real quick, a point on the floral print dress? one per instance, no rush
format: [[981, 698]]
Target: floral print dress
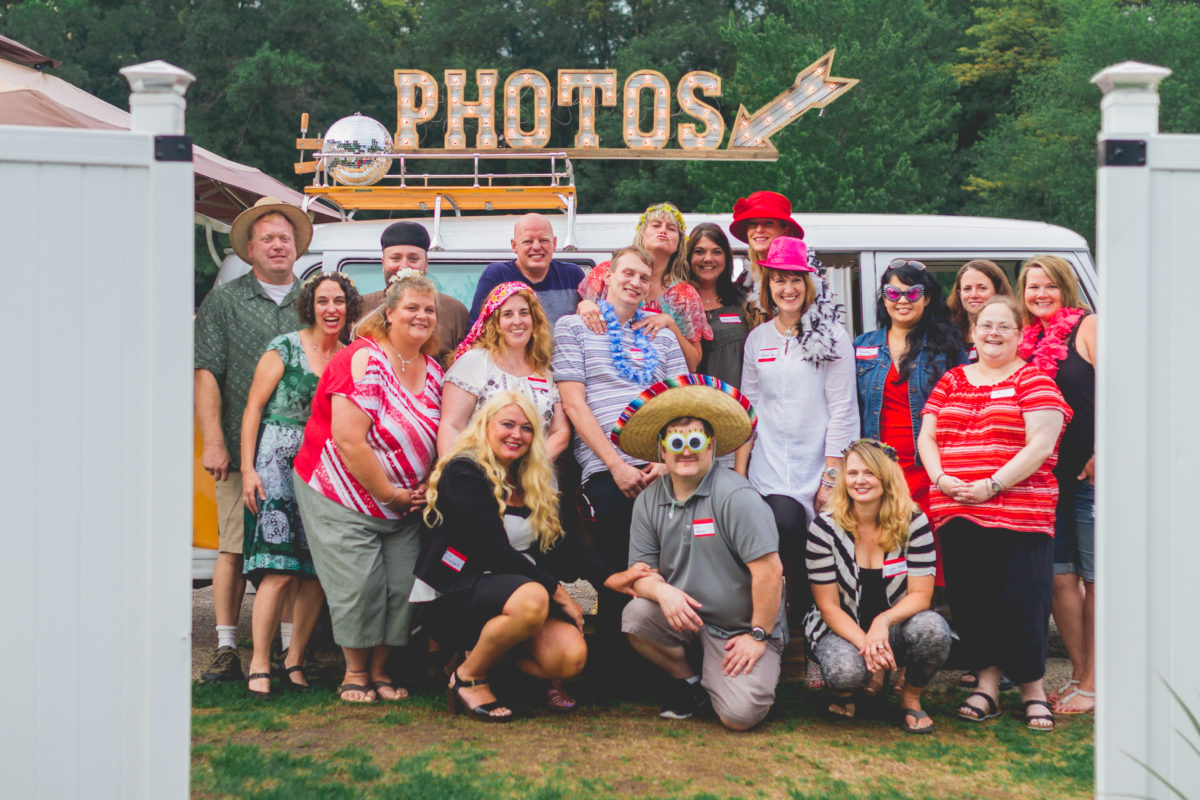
[[275, 540]]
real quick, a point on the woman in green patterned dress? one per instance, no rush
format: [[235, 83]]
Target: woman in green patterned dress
[[275, 552]]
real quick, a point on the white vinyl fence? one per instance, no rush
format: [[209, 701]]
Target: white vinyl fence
[[1148, 396], [96, 244]]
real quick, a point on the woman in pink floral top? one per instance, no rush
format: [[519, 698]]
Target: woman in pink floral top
[[675, 302], [360, 474]]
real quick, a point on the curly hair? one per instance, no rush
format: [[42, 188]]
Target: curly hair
[[1059, 271], [539, 348], [897, 507], [306, 300], [532, 470], [677, 267], [1000, 285], [934, 332], [729, 294], [376, 325]]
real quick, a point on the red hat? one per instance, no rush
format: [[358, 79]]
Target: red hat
[[763, 205]]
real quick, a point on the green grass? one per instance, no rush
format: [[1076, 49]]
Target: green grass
[[312, 746]]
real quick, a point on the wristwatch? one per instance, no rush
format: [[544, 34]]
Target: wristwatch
[[831, 473], [758, 634]]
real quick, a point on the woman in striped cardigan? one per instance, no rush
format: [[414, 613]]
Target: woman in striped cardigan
[[871, 563]]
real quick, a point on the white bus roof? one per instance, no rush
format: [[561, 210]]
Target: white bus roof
[[827, 232]]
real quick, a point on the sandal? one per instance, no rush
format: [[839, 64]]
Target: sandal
[[255, 692], [288, 683], [364, 689], [1065, 689], [557, 698], [841, 708], [1043, 719], [401, 693], [481, 712], [909, 718], [969, 679], [1059, 705], [972, 714], [813, 680]]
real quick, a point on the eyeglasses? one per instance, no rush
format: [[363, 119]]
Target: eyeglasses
[[696, 441], [1004, 329], [897, 263], [912, 294], [887, 449]]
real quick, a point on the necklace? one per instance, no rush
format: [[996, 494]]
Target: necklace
[[404, 362], [621, 361]]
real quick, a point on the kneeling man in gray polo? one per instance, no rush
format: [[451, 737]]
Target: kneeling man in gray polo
[[717, 600]]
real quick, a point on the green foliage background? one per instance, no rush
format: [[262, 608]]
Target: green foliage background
[[964, 107]]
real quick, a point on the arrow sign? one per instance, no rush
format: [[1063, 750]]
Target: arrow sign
[[815, 87]]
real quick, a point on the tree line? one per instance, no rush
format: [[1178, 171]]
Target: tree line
[[979, 107]]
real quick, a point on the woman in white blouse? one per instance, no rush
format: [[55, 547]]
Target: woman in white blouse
[[798, 372], [507, 349]]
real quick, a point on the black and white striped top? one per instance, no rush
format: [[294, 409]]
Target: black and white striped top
[[829, 556]]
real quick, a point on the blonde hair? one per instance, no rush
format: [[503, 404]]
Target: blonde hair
[[532, 470], [375, 324], [897, 506], [539, 348], [677, 267], [767, 303], [1059, 271]]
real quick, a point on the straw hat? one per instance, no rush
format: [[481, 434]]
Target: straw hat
[[239, 232], [702, 396], [763, 205]]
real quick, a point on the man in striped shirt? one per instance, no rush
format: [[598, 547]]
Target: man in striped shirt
[[598, 374]]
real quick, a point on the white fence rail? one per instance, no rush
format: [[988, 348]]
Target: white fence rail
[[95, 486], [1148, 390]]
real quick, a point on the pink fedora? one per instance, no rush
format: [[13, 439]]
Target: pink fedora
[[787, 252]]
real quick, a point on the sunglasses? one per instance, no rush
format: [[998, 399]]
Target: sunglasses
[[887, 449], [696, 441], [912, 294], [897, 263]]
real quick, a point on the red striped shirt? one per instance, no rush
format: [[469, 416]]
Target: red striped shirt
[[979, 428]]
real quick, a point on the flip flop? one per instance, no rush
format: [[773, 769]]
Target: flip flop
[[970, 713], [346, 688], [1062, 690], [402, 693], [841, 709], [914, 715]]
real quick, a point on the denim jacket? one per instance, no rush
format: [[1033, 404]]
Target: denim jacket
[[872, 362]]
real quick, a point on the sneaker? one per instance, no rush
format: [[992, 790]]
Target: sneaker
[[225, 666], [686, 700]]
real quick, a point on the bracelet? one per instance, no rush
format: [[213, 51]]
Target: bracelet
[[392, 499], [889, 618], [827, 484], [938, 481]]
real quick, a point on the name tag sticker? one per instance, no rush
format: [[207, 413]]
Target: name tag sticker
[[454, 559], [866, 353], [731, 319], [704, 527], [637, 353], [538, 384], [768, 354], [972, 355], [1007, 391], [895, 567]]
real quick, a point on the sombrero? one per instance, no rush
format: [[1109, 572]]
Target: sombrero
[[239, 232], [702, 396]]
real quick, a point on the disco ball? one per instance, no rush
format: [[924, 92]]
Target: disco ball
[[352, 141]]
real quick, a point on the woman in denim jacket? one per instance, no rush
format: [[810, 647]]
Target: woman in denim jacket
[[900, 362]]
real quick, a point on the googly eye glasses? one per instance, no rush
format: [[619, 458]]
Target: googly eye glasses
[[912, 294], [696, 441]]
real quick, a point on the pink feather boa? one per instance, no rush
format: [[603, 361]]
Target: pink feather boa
[[1044, 345]]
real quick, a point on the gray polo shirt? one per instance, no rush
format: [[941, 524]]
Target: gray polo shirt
[[702, 546]]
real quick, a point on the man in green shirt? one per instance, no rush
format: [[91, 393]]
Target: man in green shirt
[[233, 326], [717, 597]]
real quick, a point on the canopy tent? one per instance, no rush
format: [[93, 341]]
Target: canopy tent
[[29, 96]]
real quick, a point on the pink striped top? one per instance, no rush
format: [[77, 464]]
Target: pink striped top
[[403, 432], [979, 428]]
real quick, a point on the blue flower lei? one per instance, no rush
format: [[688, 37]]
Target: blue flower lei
[[621, 360]]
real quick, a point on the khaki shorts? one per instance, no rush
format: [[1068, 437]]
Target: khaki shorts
[[231, 512], [740, 701]]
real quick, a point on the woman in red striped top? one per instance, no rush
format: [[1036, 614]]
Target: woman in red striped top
[[989, 440]]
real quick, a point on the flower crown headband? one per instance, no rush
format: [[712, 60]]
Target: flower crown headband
[[670, 209], [887, 449], [407, 272]]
